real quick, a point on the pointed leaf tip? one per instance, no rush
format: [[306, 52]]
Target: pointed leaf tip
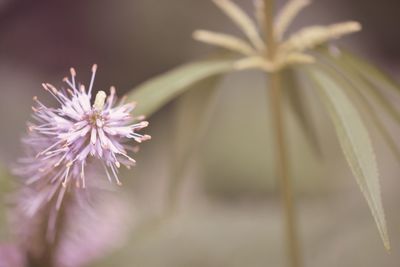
[[355, 142]]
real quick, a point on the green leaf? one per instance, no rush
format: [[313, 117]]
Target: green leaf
[[358, 85], [355, 142], [370, 72], [156, 92], [194, 111], [297, 103], [374, 80]]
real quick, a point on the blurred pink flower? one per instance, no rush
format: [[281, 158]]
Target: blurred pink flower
[[95, 221], [90, 235], [11, 256]]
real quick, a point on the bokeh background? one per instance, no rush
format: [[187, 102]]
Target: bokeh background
[[229, 212]]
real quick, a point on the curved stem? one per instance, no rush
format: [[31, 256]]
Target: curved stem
[[275, 97]]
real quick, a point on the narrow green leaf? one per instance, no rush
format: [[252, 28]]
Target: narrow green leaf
[[374, 80], [355, 142], [357, 85], [156, 92], [380, 127], [194, 112], [370, 72], [297, 103]]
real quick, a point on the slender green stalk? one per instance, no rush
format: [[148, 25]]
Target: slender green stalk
[[275, 97]]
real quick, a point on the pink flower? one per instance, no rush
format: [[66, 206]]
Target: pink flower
[[90, 235], [63, 141], [11, 255]]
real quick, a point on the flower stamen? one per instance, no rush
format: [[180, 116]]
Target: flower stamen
[[100, 100]]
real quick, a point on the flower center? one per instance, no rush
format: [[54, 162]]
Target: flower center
[[96, 118]]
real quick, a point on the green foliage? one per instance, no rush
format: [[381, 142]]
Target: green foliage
[[357, 81], [294, 92], [194, 111], [356, 144], [345, 84], [194, 84], [158, 91]]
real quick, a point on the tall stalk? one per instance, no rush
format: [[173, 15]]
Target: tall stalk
[[275, 97]]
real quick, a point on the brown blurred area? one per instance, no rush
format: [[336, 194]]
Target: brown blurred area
[[230, 211]]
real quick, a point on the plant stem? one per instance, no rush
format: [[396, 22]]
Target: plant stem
[[41, 248], [293, 249], [275, 97]]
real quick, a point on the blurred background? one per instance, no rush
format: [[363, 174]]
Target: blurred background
[[229, 209]]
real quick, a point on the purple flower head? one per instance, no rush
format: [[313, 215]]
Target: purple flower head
[[63, 141]]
